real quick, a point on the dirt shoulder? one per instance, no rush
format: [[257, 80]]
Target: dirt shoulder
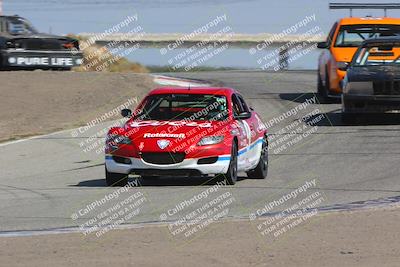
[[362, 238], [35, 103]]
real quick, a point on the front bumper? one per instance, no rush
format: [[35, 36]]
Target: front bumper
[[371, 103], [40, 59], [188, 167]]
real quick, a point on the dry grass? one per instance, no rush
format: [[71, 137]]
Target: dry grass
[[99, 58]]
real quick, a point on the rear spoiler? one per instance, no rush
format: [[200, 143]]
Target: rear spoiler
[[351, 6]]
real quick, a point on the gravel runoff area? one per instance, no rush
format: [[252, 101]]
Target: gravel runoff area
[[39, 102], [362, 238]]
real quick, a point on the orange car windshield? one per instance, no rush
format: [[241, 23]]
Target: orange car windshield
[[354, 35]]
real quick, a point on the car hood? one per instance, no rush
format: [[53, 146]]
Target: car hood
[[170, 136], [373, 73]]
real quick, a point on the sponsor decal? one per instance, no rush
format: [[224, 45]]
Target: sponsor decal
[[164, 135], [171, 123], [247, 130], [44, 61], [141, 146], [162, 143]]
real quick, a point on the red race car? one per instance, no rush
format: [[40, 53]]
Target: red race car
[[188, 132]]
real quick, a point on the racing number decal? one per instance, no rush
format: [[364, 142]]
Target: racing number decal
[[247, 132]]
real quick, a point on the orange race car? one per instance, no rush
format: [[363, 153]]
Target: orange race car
[[344, 38]]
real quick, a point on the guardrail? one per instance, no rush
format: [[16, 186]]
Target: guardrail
[[235, 40]]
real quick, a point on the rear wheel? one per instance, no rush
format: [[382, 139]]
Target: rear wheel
[[320, 87], [231, 175], [261, 170], [323, 91], [116, 179]]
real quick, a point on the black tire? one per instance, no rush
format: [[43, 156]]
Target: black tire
[[231, 174], [116, 179], [323, 91], [261, 170], [320, 88], [59, 69], [349, 118], [1, 61]]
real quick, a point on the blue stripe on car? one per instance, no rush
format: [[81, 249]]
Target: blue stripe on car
[[244, 150]]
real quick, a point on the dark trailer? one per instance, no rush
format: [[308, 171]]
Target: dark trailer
[[23, 47]]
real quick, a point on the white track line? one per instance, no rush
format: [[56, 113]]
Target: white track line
[[241, 218], [35, 137]]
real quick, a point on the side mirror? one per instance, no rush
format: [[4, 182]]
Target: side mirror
[[243, 116], [342, 65], [322, 45], [126, 113]]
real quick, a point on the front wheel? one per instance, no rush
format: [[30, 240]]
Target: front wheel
[[261, 170], [2, 67], [323, 90], [231, 175], [116, 179]]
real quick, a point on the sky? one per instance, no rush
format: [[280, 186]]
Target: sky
[[168, 16]]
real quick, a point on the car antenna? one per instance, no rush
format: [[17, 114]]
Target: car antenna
[[189, 86]]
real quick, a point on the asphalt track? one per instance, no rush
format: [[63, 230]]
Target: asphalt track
[[45, 180]]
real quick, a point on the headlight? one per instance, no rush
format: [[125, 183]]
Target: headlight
[[210, 140], [114, 139]]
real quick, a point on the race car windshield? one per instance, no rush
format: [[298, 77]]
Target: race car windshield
[[190, 107], [354, 35], [378, 55], [20, 26]]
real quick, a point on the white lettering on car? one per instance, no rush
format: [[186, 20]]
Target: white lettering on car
[[164, 135], [171, 123], [45, 61]]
